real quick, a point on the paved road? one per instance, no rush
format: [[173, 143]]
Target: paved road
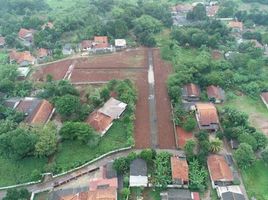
[[152, 101], [91, 167]]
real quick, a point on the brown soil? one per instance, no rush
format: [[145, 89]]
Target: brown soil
[[166, 137]]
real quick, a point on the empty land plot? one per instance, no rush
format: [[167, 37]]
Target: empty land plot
[[57, 70], [166, 137], [133, 58]]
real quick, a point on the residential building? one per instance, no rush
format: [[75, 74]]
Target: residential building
[[215, 94], [179, 194], [120, 43], [23, 59], [219, 171], [26, 36], [49, 25], [264, 97], [191, 92], [36, 111], [232, 192], [179, 13], [179, 171], [67, 49], [100, 122], [236, 26], [257, 44], [212, 10], [2, 42], [207, 116], [138, 173], [86, 45], [100, 42], [42, 54], [102, 119], [23, 72]]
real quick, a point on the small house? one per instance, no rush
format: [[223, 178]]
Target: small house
[[219, 171], [191, 92], [138, 173], [23, 72], [264, 98], [215, 94], [101, 43], [236, 26], [102, 119], [86, 45], [212, 10], [26, 36], [120, 43], [207, 116], [36, 111], [23, 59], [2, 42], [42, 54], [179, 194], [179, 171], [232, 192], [48, 25], [67, 49]]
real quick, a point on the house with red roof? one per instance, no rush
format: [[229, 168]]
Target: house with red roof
[[191, 92], [219, 171], [43, 54], [102, 119], [236, 26], [215, 94], [179, 171], [23, 59], [36, 111], [207, 116], [212, 10], [2, 42], [86, 45], [26, 36], [49, 25]]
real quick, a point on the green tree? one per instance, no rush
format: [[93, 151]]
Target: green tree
[[162, 169], [148, 155], [215, 145], [189, 148], [47, 140], [264, 155], [248, 139], [190, 124], [244, 155], [121, 165], [125, 192], [197, 175], [198, 13], [15, 194]]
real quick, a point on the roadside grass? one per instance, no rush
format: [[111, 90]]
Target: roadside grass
[[21, 171], [41, 196], [72, 154], [255, 179]]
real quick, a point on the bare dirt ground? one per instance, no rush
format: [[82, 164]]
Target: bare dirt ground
[[260, 122], [166, 137]]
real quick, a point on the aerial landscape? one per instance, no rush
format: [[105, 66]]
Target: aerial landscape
[[134, 100]]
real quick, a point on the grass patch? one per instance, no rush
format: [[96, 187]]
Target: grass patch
[[115, 138], [16, 172], [41, 196], [3, 58], [256, 180]]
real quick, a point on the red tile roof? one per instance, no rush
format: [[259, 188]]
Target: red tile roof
[[214, 92], [207, 114], [192, 90], [24, 32], [43, 113], [179, 169], [21, 56], [42, 52], [86, 44], [101, 41], [219, 169], [216, 54], [196, 196], [212, 10], [182, 8], [48, 25], [99, 121], [182, 136], [236, 24]]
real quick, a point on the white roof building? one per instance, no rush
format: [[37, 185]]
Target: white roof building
[[113, 108], [120, 43]]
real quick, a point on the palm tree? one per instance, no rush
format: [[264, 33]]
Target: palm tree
[[215, 145]]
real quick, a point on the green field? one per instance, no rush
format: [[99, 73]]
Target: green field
[[42, 196], [73, 154], [16, 172], [256, 180]]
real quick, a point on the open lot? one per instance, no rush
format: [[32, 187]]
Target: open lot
[[132, 64]]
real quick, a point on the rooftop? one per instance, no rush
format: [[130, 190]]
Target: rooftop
[[113, 108], [42, 52], [138, 167], [25, 32], [99, 121], [215, 92], [219, 169], [179, 169], [192, 89], [236, 24], [207, 114], [21, 56], [101, 42]]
